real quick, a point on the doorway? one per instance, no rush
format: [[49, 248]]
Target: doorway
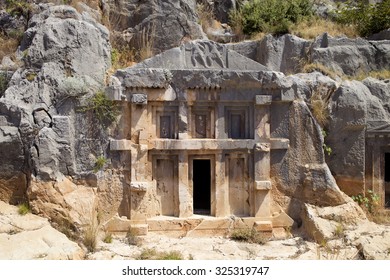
[[387, 180], [201, 182]]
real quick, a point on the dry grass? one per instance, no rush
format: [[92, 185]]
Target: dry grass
[[205, 15], [380, 217], [236, 22], [145, 42], [380, 75], [258, 36], [8, 46], [311, 67], [248, 235], [311, 28], [152, 254], [319, 108]]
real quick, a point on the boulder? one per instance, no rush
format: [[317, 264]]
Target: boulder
[[63, 200], [302, 173], [353, 108], [31, 237], [326, 223], [45, 133], [381, 90], [159, 24], [283, 53], [222, 9]]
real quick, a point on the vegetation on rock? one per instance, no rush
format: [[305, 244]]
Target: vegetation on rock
[[368, 18], [248, 235], [104, 109], [270, 16], [24, 208]]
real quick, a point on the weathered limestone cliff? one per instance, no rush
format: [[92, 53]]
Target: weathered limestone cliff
[[233, 108]]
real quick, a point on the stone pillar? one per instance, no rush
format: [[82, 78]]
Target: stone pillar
[[262, 158], [221, 187], [185, 194], [140, 167], [220, 132], [184, 126]]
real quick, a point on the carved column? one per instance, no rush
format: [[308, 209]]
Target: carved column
[[140, 169], [185, 194], [262, 183], [222, 187]]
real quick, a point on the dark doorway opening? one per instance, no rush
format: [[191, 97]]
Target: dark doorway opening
[[201, 178], [387, 180]]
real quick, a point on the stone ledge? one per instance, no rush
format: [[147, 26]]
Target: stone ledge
[[199, 144]]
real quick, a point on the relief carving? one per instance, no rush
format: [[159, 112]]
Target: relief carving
[[206, 55]]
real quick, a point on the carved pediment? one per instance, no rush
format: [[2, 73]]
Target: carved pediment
[[198, 55]]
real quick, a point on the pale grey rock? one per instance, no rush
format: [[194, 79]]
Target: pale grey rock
[[303, 173], [344, 56], [222, 9], [66, 56], [11, 25], [383, 35], [353, 109], [282, 53], [246, 48], [381, 90], [168, 22]]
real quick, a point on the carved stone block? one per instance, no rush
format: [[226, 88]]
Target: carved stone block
[[139, 98], [263, 99], [263, 147]]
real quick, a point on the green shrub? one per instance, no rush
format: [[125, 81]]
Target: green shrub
[[368, 18], [23, 208], [104, 109], [107, 238], [18, 8], [369, 201], [270, 16], [99, 164]]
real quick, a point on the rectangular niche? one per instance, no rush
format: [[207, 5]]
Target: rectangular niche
[[238, 122], [237, 174], [202, 122], [166, 122], [165, 172]]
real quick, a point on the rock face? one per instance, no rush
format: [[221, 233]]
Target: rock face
[[344, 56], [256, 129], [356, 113], [32, 237], [163, 24], [42, 133]]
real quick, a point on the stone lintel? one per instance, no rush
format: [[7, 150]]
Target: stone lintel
[[201, 144], [139, 186], [263, 185], [263, 99]]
